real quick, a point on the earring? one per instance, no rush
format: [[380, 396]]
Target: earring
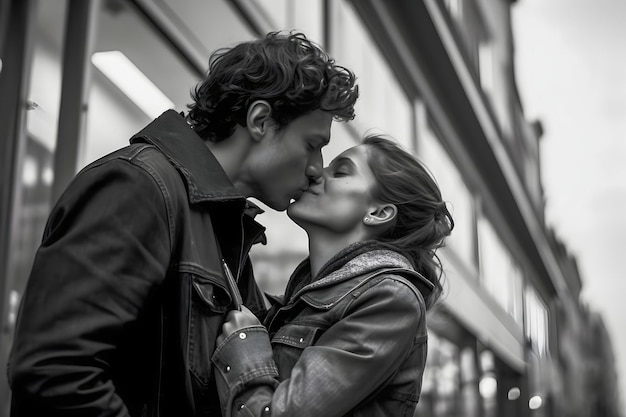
[[367, 219]]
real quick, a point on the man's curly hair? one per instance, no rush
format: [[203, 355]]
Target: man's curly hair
[[287, 70]]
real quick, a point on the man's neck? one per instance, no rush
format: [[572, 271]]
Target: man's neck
[[231, 154]]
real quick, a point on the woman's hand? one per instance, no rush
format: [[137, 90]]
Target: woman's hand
[[235, 321]]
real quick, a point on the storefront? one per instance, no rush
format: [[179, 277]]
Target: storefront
[[79, 77]]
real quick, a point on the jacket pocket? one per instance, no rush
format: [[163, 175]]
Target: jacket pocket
[[208, 305], [212, 297], [289, 342], [297, 335]]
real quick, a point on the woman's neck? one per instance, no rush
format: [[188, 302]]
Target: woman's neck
[[322, 248]]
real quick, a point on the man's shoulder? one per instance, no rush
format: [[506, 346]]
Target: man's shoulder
[[130, 153], [140, 160]]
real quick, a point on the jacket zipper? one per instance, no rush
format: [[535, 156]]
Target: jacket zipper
[[232, 286]]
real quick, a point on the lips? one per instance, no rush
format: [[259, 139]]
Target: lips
[[297, 196], [300, 193]]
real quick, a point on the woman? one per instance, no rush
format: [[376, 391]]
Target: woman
[[350, 337]]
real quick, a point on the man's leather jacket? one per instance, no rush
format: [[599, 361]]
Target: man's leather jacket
[[128, 290], [352, 342]]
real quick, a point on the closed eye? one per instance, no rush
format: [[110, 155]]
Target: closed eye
[[342, 167]]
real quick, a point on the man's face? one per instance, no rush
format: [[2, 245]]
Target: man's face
[[283, 164]]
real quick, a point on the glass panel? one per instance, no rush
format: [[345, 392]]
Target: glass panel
[[453, 189], [206, 25], [45, 83], [32, 197], [486, 65], [488, 384], [383, 105], [126, 40], [300, 15], [44, 94], [499, 271], [536, 324], [514, 304], [454, 8], [493, 260], [276, 11], [441, 394]]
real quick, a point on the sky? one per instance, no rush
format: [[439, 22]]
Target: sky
[[571, 73]]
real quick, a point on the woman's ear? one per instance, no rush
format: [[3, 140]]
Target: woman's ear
[[383, 214], [259, 119]]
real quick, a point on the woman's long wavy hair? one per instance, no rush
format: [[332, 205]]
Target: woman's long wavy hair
[[287, 70], [423, 220]]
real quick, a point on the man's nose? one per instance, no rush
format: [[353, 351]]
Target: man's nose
[[316, 181], [314, 169]]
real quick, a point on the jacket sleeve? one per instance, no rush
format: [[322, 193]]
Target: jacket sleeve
[[349, 362], [105, 248]]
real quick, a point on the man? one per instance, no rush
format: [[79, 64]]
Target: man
[[148, 247]]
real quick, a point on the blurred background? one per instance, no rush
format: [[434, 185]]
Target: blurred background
[[516, 106]]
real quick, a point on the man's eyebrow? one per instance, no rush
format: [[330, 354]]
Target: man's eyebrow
[[323, 140]]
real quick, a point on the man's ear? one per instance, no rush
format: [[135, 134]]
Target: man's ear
[[259, 119], [382, 214]]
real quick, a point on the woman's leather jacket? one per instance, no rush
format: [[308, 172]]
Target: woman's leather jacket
[[352, 342]]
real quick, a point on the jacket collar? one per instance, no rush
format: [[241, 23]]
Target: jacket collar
[[205, 179], [357, 260]]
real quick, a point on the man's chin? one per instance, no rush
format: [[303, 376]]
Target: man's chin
[[279, 205], [292, 208]]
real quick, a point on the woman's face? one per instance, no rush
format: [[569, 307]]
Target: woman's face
[[341, 199]]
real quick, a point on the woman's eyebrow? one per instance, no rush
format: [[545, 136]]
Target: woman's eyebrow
[[343, 160]]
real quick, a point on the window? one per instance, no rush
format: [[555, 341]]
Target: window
[[453, 189], [31, 199], [485, 65], [500, 273], [383, 106], [125, 39], [42, 117], [454, 8], [441, 384], [536, 323], [301, 15]]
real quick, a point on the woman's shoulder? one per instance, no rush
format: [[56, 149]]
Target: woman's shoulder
[[401, 283], [395, 281]]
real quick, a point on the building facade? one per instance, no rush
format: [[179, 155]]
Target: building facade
[[511, 337]]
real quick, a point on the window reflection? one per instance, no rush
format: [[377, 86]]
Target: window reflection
[[500, 273], [302, 15], [34, 192], [536, 324], [127, 43], [113, 116], [453, 188], [441, 395], [383, 105]]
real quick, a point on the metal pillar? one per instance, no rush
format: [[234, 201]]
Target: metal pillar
[[16, 39], [78, 47]]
